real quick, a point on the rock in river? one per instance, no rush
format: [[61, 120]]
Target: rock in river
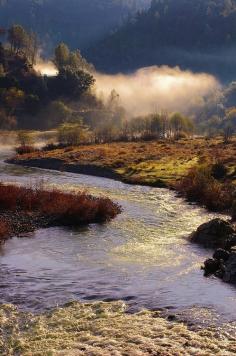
[[224, 269], [215, 233]]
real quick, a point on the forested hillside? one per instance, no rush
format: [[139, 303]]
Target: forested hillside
[[200, 35], [76, 22]]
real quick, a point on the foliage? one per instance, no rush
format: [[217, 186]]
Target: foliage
[[29, 100], [70, 83], [5, 229], [62, 208], [201, 186], [22, 41], [24, 149], [65, 58], [73, 133]]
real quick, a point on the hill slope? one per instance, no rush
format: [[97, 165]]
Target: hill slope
[[188, 33], [76, 22]]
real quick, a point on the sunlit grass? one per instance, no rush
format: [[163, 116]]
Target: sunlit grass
[[159, 163]]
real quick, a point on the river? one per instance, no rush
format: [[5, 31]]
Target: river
[[142, 257]]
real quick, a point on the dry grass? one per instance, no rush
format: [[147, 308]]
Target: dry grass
[[25, 149], [162, 164], [5, 229], [61, 208], [155, 163], [200, 186]]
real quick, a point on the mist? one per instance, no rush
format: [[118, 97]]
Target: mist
[[155, 88], [46, 68], [151, 89]]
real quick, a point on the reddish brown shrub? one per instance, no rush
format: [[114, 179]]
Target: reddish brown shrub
[[200, 186], [62, 208], [25, 149], [4, 229]]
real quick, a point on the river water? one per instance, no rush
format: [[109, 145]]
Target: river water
[[142, 257]]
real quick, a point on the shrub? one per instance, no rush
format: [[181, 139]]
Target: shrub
[[50, 147], [4, 229], [59, 207], [219, 171], [25, 149], [200, 186]]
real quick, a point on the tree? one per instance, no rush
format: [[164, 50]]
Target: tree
[[180, 123], [32, 48], [14, 99], [156, 125], [56, 114], [62, 55], [72, 84], [73, 60], [77, 62], [228, 131], [18, 38], [73, 133], [24, 138]]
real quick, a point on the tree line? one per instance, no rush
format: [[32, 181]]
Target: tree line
[[192, 34]]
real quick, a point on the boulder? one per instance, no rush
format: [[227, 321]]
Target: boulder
[[224, 269], [221, 254], [229, 273], [215, 233], [211, 266]]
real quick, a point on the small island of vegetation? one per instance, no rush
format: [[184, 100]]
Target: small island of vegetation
[[25, 209]]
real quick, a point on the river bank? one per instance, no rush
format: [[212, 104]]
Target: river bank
[[153, 163], [156, 164], [105, 329]]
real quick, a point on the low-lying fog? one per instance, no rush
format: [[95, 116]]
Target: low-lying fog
[[152, 89]]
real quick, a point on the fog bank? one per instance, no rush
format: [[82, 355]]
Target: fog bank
[[156, 88], [151, 89]]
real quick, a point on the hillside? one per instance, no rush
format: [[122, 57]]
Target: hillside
[[199, 35], [76, 22]]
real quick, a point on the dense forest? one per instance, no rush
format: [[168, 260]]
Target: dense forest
[[199, 35], [76, 22]]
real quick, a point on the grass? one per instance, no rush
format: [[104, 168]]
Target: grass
[[161, 164], [57, 207]]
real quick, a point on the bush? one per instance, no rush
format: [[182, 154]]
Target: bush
[[200, 186], [233, 211], [25, 149], [219, 171], [50, 147], [59, 207], [4, 229]]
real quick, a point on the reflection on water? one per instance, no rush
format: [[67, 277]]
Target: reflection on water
[[142, 257]]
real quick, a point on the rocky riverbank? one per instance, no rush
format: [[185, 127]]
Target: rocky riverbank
[[18, 223], [220, 235]]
